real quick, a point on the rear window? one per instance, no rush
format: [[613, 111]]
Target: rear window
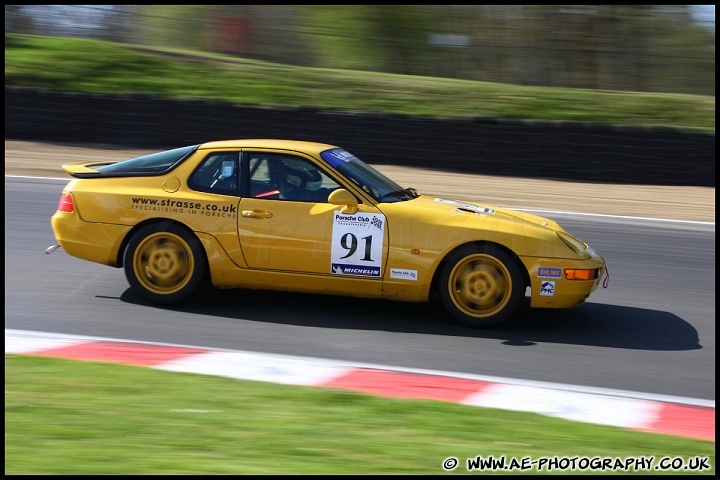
[[153, 163]]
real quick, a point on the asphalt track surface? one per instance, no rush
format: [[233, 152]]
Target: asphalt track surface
[[650, 334]]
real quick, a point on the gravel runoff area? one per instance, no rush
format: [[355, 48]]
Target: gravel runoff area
[[663, 202]]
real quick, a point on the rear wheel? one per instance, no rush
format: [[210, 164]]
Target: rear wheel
[[481, 285], [164, 263]]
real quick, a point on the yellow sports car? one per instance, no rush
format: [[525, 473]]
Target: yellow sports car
[[310, 217]]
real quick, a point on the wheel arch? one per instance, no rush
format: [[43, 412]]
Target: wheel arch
[[435, 283], [152, 221]]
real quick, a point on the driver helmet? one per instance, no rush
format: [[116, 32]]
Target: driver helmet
[[298, 177]]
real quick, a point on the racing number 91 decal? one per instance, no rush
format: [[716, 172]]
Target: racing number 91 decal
[[357, 244]]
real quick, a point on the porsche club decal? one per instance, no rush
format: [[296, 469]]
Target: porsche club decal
[[404, 274], [177, 206], [357, 244]]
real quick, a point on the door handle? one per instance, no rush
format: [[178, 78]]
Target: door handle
[[257, 213]]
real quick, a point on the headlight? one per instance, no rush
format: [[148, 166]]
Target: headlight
[[580, 248]]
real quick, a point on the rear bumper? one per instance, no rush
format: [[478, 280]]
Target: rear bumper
[[95, 242]]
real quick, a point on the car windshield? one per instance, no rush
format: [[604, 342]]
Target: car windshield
[[364, 176], [153, 163]]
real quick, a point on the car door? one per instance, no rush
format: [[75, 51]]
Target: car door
[[299, 231]]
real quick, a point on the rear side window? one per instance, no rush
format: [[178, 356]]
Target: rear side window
[[153, 163], [217, 173]]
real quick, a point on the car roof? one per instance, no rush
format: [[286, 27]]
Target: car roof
[[310, 147]]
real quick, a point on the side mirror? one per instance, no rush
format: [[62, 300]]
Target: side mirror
[[345, 198]]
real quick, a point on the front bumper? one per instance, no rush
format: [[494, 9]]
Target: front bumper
[[549, 287]]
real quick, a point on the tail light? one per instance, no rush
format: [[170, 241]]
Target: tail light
[[66, 203]]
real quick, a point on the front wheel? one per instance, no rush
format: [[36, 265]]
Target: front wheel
[[165, 264], [481, 285]]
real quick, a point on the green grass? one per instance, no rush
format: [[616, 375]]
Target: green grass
[[66, 417], [89, 66]]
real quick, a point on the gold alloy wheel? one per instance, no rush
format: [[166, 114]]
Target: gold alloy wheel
[[480, 285], [163, 263]]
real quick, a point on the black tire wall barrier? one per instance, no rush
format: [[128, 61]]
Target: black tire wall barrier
[[574, 151]]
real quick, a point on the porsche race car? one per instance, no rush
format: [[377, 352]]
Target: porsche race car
[[310, 217]]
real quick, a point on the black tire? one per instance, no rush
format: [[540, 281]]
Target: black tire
[[481, 285], [164, 263]]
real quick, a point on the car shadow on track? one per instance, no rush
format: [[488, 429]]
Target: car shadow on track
[[592, 324]]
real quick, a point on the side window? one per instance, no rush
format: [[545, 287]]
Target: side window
[[218, 173], [288, 178], [261, 183]]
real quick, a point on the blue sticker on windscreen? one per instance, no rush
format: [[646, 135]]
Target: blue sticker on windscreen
[[337, 156]]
